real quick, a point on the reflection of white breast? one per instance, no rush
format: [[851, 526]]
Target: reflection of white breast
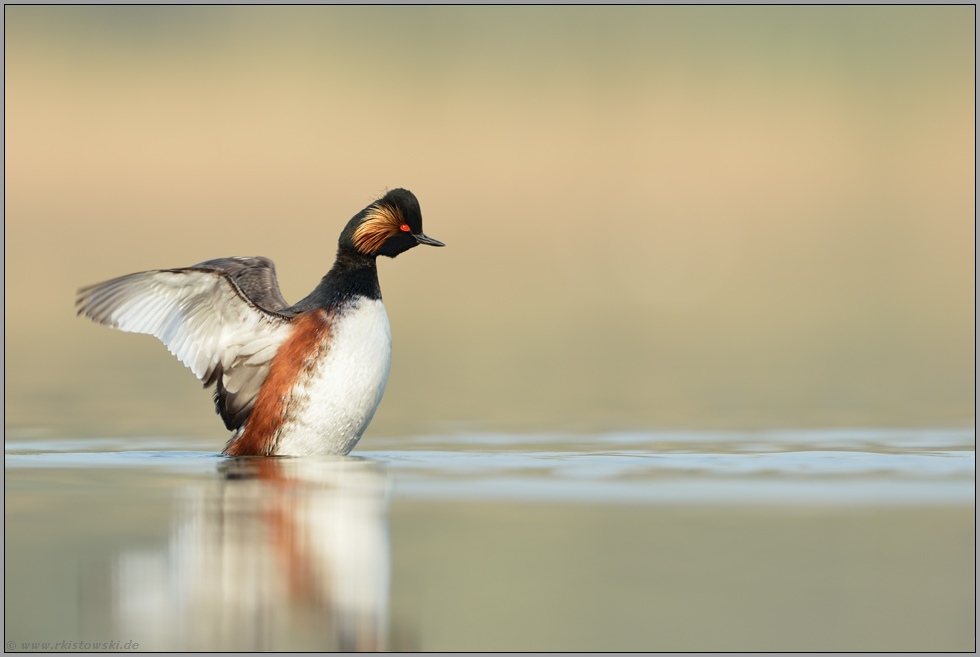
[[277, 554], [328, 412]]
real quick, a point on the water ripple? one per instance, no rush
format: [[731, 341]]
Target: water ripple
[[788, 467]]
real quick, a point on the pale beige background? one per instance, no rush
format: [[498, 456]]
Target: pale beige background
[[655, 217]]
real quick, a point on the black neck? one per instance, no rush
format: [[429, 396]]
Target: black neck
[[352, 275]]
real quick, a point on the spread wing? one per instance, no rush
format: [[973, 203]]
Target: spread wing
[[224, 319]]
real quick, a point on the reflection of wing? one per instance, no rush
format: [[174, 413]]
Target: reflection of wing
[[224, 319]]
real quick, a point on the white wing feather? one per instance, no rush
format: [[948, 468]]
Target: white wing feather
[[202, 317]]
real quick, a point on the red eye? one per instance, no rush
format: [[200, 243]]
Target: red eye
[[405, 228]]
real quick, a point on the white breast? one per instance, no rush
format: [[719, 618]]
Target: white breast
[[329, 412]]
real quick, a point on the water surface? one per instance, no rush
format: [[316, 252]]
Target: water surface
[[625, 541]]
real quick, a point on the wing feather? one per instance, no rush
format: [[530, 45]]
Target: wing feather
[[225, 334]]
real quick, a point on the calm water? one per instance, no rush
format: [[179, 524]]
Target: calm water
[[820, 540]]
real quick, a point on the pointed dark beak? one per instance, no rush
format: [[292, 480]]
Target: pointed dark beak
[[422, 238]]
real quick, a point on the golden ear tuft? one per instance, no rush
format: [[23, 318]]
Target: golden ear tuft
[[382, 221]]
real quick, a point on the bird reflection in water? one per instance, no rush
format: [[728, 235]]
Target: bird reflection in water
[[281, 553]]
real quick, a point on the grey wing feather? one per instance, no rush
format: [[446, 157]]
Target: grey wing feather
[[255, 277], [205, 317]]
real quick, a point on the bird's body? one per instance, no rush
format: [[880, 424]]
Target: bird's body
[[289, 380], [334, 379]]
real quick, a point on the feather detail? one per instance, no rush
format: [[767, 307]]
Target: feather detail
[[293, 361], [206, 319], [381, 222]]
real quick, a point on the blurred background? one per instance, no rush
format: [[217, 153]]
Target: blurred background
[[656, 217]]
